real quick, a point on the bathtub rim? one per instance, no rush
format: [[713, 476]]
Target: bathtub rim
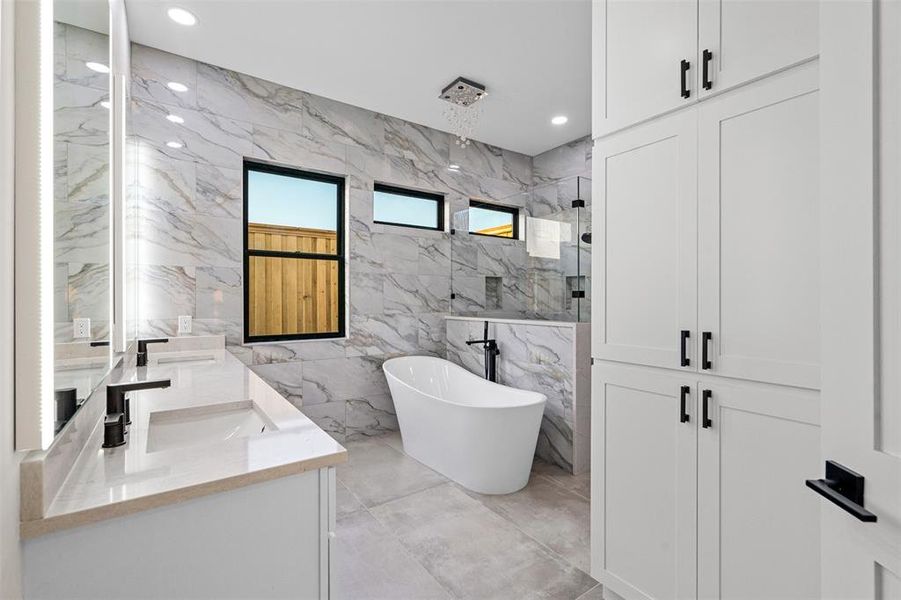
[[541, 398]]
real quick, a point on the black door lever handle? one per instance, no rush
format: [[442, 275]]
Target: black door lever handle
[[844, 488]]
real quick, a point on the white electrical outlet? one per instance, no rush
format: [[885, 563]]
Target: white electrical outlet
[[184, 324], [81, 328]]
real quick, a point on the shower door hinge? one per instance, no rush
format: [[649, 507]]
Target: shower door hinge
[[578, 203], [578, 293], [453, 231], [453, 296]]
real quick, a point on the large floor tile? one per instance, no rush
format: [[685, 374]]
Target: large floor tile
[[595, 593], [377, 473], [345, 501], [579, 484], [369, 564], [551, 514], [475, 553]]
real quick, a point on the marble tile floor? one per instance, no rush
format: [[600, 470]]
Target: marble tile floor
[[404, 532]]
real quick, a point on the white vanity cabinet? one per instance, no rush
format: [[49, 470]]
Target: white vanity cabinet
[[266, 540], [684, 507], [707, 222], [651, 57]]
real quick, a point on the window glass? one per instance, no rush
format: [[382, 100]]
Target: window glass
[[409, 208], [491, 220]]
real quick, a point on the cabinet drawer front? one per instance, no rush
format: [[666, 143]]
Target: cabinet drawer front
[[644, 485], [758, 529], [751, 39], [645, 224], [759, 240], [638, 48]]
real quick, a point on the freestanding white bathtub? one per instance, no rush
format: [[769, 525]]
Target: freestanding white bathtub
[[478, 433]]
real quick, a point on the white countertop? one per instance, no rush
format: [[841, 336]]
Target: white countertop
[[107, 483]]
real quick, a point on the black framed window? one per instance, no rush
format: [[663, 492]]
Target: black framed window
[[493, 220], [407, 208], [293, 254]]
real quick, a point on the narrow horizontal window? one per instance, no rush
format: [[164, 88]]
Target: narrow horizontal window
[[407, 208], [293, 254], [493, 220]]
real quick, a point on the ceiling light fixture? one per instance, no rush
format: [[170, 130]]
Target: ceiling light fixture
[[175, 119], [453, 167], [182, 16], [560, 120], [463, 110], [98, 67], [177, 87], [175, 145]]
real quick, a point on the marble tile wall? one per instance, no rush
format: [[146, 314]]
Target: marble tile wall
[[81, 182], [190, 240], [549, 358]]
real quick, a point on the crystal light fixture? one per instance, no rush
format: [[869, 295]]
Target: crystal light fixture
[[463, 109]]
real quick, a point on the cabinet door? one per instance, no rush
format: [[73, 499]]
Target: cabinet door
[[637, 50], [758, 209], [644, 258], [644, 495], [758, 526], [748, 39]]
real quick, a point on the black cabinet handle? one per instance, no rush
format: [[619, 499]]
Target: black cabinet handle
[[707, 56], [683, 396], [844, 488], [683, 79], [705, 414], [683, 345], [705, 349]]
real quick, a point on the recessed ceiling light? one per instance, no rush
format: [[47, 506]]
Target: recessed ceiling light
[[182, 16], [105, 104], [453, 167], [177, 87], [96, 66], [175, 145], [559, 120], [175, 119]]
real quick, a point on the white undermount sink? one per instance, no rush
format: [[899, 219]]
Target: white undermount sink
[[193, 426]]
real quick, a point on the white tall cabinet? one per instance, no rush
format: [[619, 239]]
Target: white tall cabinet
[[706, 320]]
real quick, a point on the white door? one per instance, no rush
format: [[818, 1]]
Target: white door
[[758, 526], [644, 260], [758, 215], [638, 49], [644, 495], [748, 39], [861, 388]]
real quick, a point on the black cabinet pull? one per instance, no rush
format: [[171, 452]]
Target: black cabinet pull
[[683, 345], [844, 488], [705, 69], [683, 396], [705, 349], [683, 79], [705, 414]]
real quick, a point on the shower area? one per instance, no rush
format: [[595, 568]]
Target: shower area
[[533, 262], [523, 265]]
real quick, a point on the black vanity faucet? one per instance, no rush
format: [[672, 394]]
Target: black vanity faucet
[[142, 349], [491, 354], [117, 408]]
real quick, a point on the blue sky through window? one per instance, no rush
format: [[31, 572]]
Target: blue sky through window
[[280, 200], [405, 210], [482, 218]]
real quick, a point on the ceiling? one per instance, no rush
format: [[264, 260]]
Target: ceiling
[[395, 56]]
